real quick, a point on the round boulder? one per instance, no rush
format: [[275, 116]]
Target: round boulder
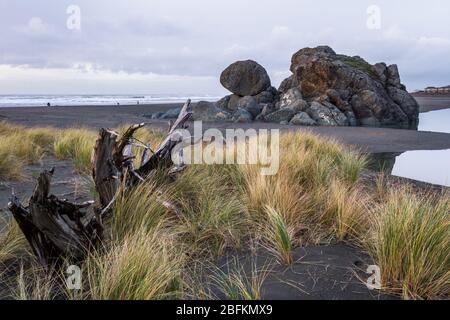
[[245, 78]]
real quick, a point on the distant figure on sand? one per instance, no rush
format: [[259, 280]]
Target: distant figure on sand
[[48, 104]]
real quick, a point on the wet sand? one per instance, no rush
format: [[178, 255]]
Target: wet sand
[[432, 102], [373, 140]]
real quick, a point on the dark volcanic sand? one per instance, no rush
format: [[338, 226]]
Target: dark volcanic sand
[[368, 139], [319, 272], [329, 272], [65, 184]]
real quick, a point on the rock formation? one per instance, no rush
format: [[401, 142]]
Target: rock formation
[[325, 89], [373, 94], [245, 78]]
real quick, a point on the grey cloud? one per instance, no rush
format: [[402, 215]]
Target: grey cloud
[[200, 38]]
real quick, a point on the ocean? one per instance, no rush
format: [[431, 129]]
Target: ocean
[[80, 100]]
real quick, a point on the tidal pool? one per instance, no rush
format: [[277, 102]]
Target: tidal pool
[[432, 166], [428, 166]]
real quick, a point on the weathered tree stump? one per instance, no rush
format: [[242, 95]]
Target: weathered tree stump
[[57, 228]]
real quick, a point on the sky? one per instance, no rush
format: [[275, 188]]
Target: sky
[[181, 47]]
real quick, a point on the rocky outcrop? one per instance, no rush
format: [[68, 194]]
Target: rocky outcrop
[[373, 94], [302, 119], [280, 115], [209, 112], [250, 105], [292, 99], [170, 114], [325, 88], [242, 115], [245, 78], [326, 114], [287, 84]]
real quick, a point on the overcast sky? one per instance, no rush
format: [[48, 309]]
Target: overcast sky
[[152, 46]]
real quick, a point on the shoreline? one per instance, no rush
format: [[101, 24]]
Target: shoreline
[[317, 267], [367, 139]]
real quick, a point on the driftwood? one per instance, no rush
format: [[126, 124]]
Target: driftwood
[[58, 228], [55, 228]]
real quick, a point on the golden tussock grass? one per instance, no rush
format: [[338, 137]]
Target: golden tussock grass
[[76, 145], [34, 283], [140, 209], [20, 146], [315, 177], [237, 283], [213, 217], [143, 266], [410, 242], [316, 197], [12, 241]]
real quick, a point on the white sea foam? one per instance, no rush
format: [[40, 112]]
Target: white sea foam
[[80, 100]]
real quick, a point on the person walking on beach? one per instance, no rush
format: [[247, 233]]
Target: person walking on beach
[[48, 104]]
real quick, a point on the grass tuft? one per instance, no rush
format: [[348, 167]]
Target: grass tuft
[[279, 236], [76, 145], [12, 241], [410, 242], [34, 283], [239, 284], [213, 217], [144, 266], [20, 146]]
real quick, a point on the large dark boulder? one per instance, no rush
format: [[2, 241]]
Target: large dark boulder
[[245, 78], [373, 94]]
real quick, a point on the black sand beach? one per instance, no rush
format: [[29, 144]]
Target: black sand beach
[[374, 140], [319, 272]]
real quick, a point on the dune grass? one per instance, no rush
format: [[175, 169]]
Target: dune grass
[[236, 283], [213, 217], [410, 242], [315, 177], [143, 266], [20, 146], [12, 241], [11, 168], [345, 211], [160, 228], [76, 145], [279, 237], [141, 209], [33, 283]]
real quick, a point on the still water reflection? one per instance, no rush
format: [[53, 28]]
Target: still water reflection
[[432, 166]]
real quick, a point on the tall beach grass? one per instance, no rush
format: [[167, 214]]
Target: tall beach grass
[[159, 228], [410, 242]]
